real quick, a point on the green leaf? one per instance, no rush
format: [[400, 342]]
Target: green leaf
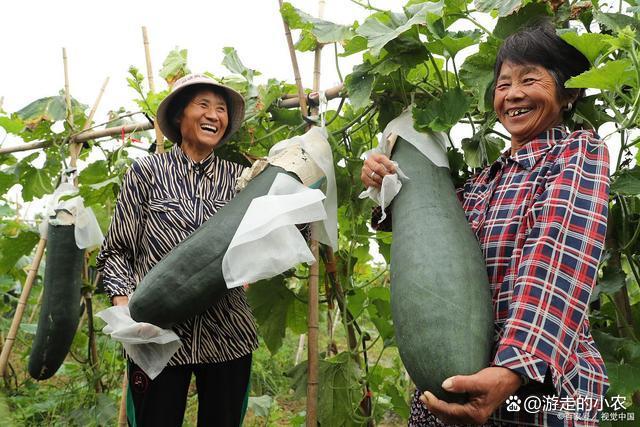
[[270, 301], [480, 151], [174, 66], [611, 76], [453, 43], [504, 7], [13, 248], [590, 113], [476, 73], [441, 114], [591, 45], [379, 310], [339, 392], [378, 34], [36, 183], [624, 378], [260, 405], [525, 16], [324, 31], [95, 173], [99, 193], [12, 125], [51, 109], [616, 21], [627, 182], [233, 63], [7, 180], [354, 45], [6, 210], [612, 280], [359, 85], [286, 116]]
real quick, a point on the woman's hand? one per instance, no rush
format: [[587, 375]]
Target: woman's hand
[[120, 300], [487, 390], [375, 168]]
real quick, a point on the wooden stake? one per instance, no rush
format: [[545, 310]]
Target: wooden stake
[[22, 303], [92, 112], [152, 88], [1, 102]]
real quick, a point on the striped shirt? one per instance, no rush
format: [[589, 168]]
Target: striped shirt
[[164, 198], [540, 217]]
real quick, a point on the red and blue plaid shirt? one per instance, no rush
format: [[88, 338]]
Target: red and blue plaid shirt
[[541, 217]]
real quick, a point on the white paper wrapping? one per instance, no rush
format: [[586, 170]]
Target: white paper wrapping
[[431, 144], [315, 143], [149, 346], [267, 241], [71, 210]]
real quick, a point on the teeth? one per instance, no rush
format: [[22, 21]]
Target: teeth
[[211, 128], [517, 111]]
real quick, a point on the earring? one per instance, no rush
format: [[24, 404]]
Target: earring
[[569, 106]]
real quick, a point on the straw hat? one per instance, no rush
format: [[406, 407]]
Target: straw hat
[[171, 129]]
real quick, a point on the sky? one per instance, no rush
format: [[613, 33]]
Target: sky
[[105, 38]]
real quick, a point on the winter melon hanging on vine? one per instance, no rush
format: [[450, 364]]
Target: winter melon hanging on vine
[[440, 297], [60, 310]]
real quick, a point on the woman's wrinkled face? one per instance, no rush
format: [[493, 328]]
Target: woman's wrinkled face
[[526, 101], [204, 120]]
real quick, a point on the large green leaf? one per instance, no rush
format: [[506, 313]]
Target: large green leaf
[[441, 114], [12, 124], [35, 183], [591, 45], [94, 173], [13, 248], [525, 16], [476, 73], [359, 85], [624, 377], [379, 309], [7, 180], [378, 34], [339, 391], [270, 301], [590, 113], [452, 43], [481, 150], [233, 63], [612, 280], [616, 21], [504, 7], [611, 76], [627, 182], [100, 192], [51, 108], [324, 31], [174, 66]]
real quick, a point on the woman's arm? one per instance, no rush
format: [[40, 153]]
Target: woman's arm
[[117, 255]]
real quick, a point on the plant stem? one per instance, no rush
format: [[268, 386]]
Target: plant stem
[[335, 54], [367, 6]]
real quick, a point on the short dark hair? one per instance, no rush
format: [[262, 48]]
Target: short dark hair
[[540, 45], [175, 110]]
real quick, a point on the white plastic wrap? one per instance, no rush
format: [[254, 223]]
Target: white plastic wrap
[[71, 210], [267, 242], [431, 144], [149, 346]]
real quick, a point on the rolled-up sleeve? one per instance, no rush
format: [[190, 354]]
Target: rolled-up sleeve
[[118, 252], [558, 264]]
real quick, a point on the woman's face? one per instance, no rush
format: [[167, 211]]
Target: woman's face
[[204, 121], [526, 101]]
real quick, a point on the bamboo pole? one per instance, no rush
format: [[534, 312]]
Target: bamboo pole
[[152, 88], [22, 303], [1, 102], [122, 414], [294, 64]]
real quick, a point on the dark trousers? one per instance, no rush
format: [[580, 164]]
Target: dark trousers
[[223, 389]]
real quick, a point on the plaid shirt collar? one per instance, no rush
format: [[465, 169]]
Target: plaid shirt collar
[[531, 152], [183, 163]]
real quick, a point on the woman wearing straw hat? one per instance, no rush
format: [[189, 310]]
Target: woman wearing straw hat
[[163, 199]]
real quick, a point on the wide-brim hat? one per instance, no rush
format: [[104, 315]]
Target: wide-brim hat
[[235, 107]]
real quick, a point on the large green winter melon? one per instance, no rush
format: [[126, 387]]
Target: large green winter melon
[[440, 297], [189, 279], [60, 311]]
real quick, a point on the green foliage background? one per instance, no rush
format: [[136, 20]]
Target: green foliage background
[[414, 58]]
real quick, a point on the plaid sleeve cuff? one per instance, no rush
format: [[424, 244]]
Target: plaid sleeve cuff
[[521, 362]]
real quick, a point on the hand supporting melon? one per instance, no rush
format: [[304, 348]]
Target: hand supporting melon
[[440, 297], [60, 311], [189, 279]]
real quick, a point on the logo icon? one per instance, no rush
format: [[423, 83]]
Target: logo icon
[[513, 404]]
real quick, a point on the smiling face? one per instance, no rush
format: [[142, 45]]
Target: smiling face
[[203, 123], [526, 101]]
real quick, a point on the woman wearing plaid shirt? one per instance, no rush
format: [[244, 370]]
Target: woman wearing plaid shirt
[[540, 215]]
